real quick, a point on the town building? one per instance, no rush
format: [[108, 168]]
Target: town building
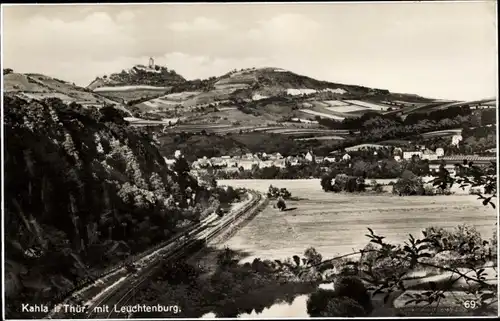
[[309, 156], [346, 157], [292, 160], [410, 154], [456, 139], [169, 161], [280, 163], [429, 155]]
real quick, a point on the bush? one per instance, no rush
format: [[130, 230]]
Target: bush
[[353, 288], [343, 307], [463, 240], [349, 299], [429, 190], [312, 256], [326, 183], [474, 191], [349, 184], [408, 184], [376, 187]]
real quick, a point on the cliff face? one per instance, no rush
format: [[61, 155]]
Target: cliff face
[[82, 190]]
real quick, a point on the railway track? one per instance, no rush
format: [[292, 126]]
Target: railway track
[[103, 305]]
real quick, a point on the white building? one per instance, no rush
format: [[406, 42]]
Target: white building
[[398, 151], [429, 155], [170, 162], [309, 156], [439, 152], [397, 158], [409, 155], [346, 157], [456, 139]]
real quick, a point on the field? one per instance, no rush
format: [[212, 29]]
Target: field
[[346, 108], [367, 105], [362, 146], [336, 103], [324, 115], [130, 88], [443, 133], [322, 138], [337, 223]]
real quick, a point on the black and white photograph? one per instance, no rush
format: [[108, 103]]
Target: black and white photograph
[[249, 160]]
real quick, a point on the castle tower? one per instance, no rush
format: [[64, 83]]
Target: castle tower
[[151, 62]]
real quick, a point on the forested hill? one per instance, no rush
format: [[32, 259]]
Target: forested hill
[[81, 190]]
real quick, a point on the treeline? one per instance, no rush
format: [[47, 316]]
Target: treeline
[[375, 127], [376, 169]]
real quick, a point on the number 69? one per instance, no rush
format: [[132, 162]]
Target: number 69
[[470, 304]]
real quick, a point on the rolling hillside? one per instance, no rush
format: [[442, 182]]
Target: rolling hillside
[[38, 87], [247, 96]]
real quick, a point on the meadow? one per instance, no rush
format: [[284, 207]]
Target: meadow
[[367, 105], [337, 223]]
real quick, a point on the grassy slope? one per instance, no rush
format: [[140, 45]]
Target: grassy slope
[[36, 86]]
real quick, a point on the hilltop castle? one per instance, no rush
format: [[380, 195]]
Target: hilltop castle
[[151, 63]]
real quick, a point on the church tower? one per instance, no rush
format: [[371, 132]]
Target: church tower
[[151, 63]]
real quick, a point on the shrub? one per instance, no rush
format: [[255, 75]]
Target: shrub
[[429, 190], [353, 288], [474, 191], [343, 307], [376, 187], [326, 183], [318, 301], [463, 240], [348, 183], [312, 256], [408, 184], [349, 299]]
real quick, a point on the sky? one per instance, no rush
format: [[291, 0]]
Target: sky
[[442, 50]]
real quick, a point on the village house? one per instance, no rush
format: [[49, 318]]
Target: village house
[[232, 162], [218, 162], [309, 156], [247, 161], [397, 151], [456, 139], [410, 154], [439, 152], [280, 163], [429, 155], [265, 163], [397, 158], [292, 160], [320, 159], [202, 163], [329, 159], [169, 161], [346, 157]]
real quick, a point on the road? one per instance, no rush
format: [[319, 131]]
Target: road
[[108, 292]]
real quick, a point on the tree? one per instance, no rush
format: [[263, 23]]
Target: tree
[[408, 184], [7, 71], [312, 256]]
